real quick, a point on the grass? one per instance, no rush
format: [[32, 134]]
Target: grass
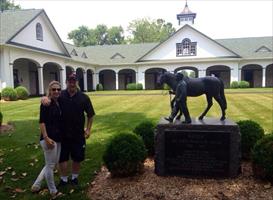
[[114, 113]]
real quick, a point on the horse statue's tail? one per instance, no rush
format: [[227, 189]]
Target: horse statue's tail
[[222, 94]]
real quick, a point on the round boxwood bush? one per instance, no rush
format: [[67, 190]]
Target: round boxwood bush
[[1, 118], [146, 131], [139, 86], [251, 132], [124, 155], [9, 94], [234, 84], [131, 86], [262, 157], [243, 84], [99, 87], [166, 87], [22, 92]]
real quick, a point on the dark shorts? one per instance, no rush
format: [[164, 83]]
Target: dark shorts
[[74, 149]]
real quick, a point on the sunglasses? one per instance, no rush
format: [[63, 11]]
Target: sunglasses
[[56, 89]]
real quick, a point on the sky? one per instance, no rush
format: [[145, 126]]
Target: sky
[[215, 18]]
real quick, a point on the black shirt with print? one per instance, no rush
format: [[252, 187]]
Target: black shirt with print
[[73, 110]]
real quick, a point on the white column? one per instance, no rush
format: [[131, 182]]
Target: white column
[[263, 77], [201, 73], [95, 77], [141, 77], [41, 80], [63, 78], [11, 75], [116, 81], [85, 80], [239, 74]]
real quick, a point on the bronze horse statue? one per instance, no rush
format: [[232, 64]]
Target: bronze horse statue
[[212, 87]]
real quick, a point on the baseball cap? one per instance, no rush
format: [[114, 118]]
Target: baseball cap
[[72, 77]]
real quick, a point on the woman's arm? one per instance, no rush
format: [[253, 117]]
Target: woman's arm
[[49, 142]]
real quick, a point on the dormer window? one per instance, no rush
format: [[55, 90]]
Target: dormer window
[[39, 32], [73, 53], [263, 49], [117, 55], [84, 55], [186, 48]]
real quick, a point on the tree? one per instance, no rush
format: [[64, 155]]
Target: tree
[[147, 30], [81, 36], [116, 35], [8, 5]]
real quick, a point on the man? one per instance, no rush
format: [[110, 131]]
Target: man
[[74, 104], [180, 102]]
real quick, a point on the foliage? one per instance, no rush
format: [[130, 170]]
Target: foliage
[[262, 157], [251, 132], [99, 87], [1, 118], [22, 92], [8, 5], [146, 30], [9, 94], [234, 84], [124, 155], [146, 131], [101, 35], [243, 84], [139, 86], [166, 87]]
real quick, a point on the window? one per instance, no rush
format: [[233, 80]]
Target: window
[[186, 48], [39, 32]]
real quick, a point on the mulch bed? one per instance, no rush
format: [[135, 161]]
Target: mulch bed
[[149, 186], [5, 128]]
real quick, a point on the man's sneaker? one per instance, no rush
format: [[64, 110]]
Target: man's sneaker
[[74, 182], [62, 183]]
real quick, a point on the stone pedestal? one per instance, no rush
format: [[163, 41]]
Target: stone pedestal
[[207, 148]]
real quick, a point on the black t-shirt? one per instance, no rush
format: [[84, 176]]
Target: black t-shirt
[[51, 116], [73, 109]]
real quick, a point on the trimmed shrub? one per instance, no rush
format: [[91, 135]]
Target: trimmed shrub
[[1, 118], [234, 84], [22, 92], [251, 132], [9, 94], [166, 87], [99, 87], [131, 86], [139, 86], [262, 157], [124, 155], [243, 84], [146, 131]]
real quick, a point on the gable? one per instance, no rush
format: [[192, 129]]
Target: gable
[[205, 47], [117, 55], [263, 49], [73, 53], [50, 41]]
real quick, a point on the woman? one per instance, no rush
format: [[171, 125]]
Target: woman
[[50, 126]]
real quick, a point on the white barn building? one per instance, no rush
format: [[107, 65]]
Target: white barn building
[[32, 54]]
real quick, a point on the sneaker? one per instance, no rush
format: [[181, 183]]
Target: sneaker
[[62, 183], [56, 195], [74, 181], [35, 189]]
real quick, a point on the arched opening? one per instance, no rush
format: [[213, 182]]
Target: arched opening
[[51, 72], [89, 80], [220, 71], [126, 76], [25, 73], [252, 73], [189, 71], [79, 73], [107, 78], [68, 70], [269, 76], [152, 78]]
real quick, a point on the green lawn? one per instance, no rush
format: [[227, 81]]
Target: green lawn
[[115, 113]]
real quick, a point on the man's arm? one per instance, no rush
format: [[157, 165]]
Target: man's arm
[[87, 131], [90, 114]]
